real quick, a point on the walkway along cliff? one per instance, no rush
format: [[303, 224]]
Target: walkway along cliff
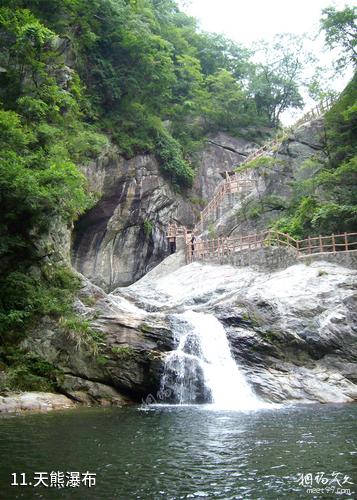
[[241, 183], [238, 249]]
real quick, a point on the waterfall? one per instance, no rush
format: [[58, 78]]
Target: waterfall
[[202, 369]]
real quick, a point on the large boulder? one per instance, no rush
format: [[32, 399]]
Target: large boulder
[[115, 353], [34, 402]]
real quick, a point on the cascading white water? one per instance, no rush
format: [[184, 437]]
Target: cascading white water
[[202, 369]]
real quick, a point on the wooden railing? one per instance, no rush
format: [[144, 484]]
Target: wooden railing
[[241, 182], [236, 183], [220, 247], [317, 111], [323, 244], [175, 231]]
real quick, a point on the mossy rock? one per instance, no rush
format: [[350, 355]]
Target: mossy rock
[[89, 300], [145, 328], [155, 355], [124, 352], [272, 336]]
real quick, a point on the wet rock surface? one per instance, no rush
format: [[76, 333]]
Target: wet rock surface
[[292, 332], [34, 401], [119, 360]]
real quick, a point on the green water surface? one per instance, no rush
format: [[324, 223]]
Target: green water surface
[[170, 452]]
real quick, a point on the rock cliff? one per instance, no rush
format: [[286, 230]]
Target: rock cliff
[[274, 182], [123, 236], [221, 153]]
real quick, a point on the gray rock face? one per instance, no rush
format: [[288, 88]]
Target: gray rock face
[[118, 360], [91, 393], [123, 236], [222, 153], [34, 402], [273, 183]]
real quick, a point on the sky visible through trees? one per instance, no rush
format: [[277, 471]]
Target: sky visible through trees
[[248, 22]]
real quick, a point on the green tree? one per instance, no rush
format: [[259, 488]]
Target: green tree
[[41, 132], [217, 52], [340, 30], [277, 78], [326, 202], [229, 107]]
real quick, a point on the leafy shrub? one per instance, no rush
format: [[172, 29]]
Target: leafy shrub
[[81, 332], [148, 227], [24, 298], [212, 232], [28, 372], [260, 162], [124, 353], [172, 164]]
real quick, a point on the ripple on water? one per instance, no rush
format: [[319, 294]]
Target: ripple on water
[[183, 452]]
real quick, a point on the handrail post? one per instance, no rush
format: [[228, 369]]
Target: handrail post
[[321, 245], [309, 244], [346, 242], [333, 243]]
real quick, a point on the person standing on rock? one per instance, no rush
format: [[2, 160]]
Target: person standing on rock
[[193, 239], [172, 244]]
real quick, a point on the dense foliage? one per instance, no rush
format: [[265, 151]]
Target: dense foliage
[[42, 134], [144, 62]]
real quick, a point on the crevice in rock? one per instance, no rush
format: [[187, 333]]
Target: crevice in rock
[[124, 391], [228, 148], [312, 146], [83, 377]]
